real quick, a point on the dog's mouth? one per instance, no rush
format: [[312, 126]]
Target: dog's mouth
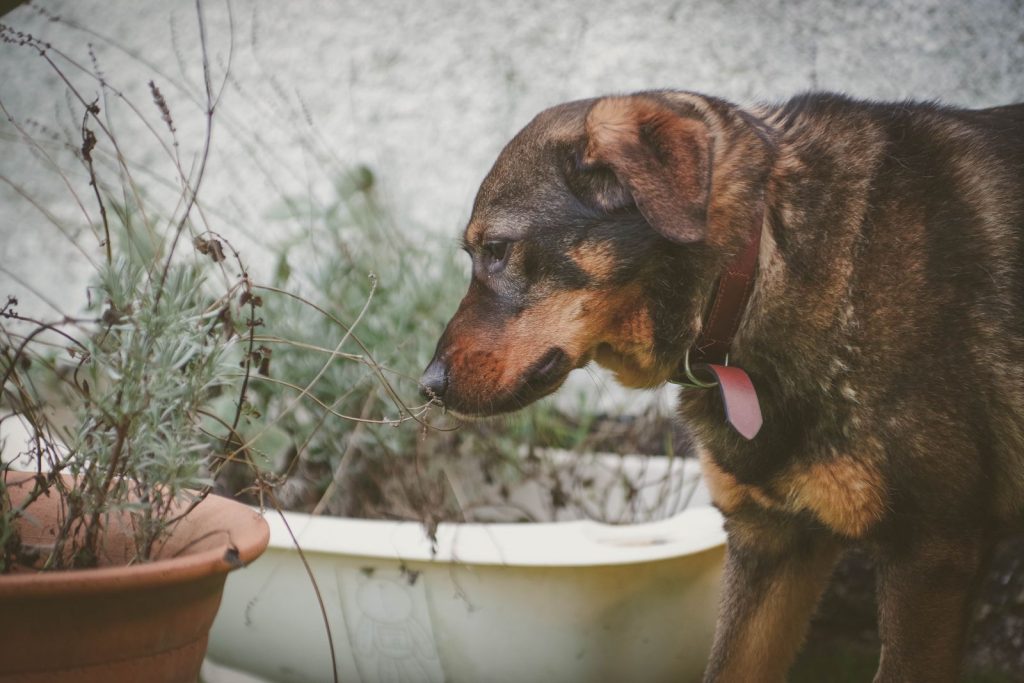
[[541, 378], [548, 372]]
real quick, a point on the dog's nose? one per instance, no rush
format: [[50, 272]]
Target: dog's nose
[[434, 381]]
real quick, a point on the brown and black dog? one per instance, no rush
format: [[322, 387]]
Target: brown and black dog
[[884, 333]]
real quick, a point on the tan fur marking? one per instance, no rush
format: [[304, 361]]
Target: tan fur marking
[[846, 494], [563, 319], [772, 633], [596, 260], [578, 322], [474, 231], [726, 492], [610, 124], [627, 349]]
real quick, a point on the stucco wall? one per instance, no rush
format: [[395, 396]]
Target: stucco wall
[[427, 91]]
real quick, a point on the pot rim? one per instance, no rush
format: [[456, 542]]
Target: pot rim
[[245, 528], [696, 529], [578, 543]]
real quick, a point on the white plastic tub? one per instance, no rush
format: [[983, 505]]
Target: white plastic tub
[[559, 602]]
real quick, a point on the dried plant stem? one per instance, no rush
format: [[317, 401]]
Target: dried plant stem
[[313, 582], [191, 189], [93, 528], [382, 421], [346, 458], [49, 216], [368, 359], [302, 391], [269, 339], [50, 161], [44, 49], [247, 362], [88, 143], [39, 329]]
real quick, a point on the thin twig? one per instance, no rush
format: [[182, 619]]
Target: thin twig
[[312, 580], [350, 449], [203, 158]]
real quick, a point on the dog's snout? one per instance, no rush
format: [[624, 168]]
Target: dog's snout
[[434, 381]]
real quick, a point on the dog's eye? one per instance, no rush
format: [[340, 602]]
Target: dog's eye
[[494, 255]]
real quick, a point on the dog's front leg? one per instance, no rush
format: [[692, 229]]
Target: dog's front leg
[[924, 599], [775, 570]]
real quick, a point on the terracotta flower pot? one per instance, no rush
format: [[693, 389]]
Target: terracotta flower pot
[[146, 622]]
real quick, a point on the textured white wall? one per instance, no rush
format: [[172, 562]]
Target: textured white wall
[[427, 91]]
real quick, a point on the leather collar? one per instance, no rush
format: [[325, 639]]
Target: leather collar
[[710, 351], [728, 304]]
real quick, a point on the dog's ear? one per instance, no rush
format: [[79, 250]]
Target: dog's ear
[[660, 159]]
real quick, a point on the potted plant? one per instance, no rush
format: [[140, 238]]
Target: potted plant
[[112, 555]]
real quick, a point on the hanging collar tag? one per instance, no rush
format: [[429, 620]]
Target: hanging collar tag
[[742, 409]]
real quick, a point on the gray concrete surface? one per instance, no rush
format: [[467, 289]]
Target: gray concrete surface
[[427, 91]]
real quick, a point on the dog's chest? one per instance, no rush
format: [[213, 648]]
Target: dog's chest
[[846, 493], [794, 467]]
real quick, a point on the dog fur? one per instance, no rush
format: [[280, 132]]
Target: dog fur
[[885, 333]]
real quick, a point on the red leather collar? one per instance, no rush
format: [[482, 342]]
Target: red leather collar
[[710, 351], [728, 305]]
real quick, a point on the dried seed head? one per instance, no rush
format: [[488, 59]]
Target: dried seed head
[[161, 104]]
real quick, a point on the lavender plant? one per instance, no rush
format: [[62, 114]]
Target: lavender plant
[[111, 399]]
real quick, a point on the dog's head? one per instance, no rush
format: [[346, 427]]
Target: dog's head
[[597, 236]]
